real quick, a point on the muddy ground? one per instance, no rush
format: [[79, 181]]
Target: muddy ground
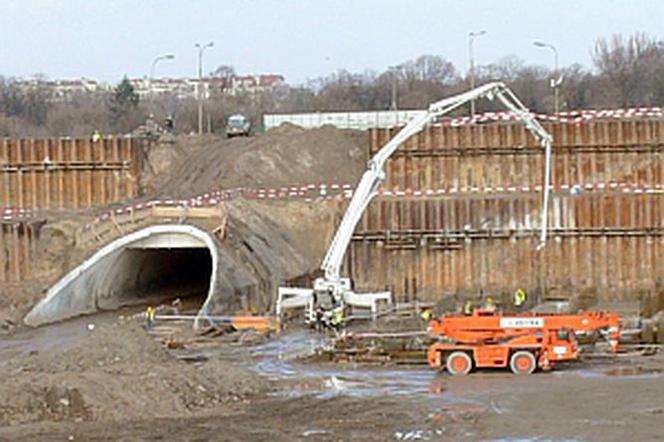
[[116, 382]]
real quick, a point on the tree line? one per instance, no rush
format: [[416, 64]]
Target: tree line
[[626, 71]]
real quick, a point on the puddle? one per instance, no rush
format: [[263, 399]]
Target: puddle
[[634, 371], [624, 372], [531, 439], [278, 359]]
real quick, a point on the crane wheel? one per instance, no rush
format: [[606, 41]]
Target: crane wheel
[[458, 363], [523, 362]]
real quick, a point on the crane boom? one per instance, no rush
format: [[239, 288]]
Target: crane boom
[[340, 288], [375, 174]]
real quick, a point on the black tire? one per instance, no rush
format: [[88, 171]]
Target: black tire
[[523, 362], [458, 363]]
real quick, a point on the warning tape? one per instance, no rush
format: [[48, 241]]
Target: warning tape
[[15, 213], [318, 192], [574, 189], [571, 117]]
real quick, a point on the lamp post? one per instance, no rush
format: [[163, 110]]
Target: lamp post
[[471, 38], [154, 64], [555, 83], [395, 89], [201, 50]]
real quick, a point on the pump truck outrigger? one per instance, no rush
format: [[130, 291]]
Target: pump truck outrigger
[[339, 290]]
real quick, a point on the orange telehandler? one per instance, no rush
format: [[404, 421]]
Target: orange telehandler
[[524, 342]]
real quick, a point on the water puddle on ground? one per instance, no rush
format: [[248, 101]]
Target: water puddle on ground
[[629, 371], [450, 396], [278, 359]]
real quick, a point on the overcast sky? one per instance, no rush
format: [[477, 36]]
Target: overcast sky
[[300, 39]]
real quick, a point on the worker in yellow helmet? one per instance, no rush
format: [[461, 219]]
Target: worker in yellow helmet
[[426, 314], [489, 304], [520, 298], [150, 316], [338, 318]]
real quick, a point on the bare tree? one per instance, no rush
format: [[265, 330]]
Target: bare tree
[[628, 68]]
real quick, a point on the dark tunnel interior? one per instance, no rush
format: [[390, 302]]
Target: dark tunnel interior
[[161, 275]]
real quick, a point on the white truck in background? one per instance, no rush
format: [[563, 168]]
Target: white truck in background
[[238, 126]]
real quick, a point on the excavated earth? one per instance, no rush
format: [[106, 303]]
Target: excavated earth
[[277, 240], [104, 377], [115, 382]]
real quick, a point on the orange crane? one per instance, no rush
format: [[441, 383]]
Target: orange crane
[[524, 342]]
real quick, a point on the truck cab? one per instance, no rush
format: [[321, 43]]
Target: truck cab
[[237, 126]]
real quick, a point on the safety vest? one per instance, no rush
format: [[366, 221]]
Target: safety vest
[[338, 316], [426, 315], [468, 308], [520, 297]]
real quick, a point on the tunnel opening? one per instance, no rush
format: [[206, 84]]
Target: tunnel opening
[[152, 266], [163, 276]]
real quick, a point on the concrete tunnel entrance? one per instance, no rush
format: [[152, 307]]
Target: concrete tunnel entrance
[[159, 275], [154, 265]]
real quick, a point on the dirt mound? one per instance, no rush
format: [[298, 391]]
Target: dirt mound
[[116, 364], [185, 166]]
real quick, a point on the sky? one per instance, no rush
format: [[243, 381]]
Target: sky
[[107, 39]]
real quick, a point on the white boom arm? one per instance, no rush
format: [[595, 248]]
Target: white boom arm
[[340, 288], [375, 174]]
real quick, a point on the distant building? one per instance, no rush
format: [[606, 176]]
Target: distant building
[[63, 90], [254, 84], [188, 87]]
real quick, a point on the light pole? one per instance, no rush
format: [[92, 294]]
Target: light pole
[[154, 64], [471, 38], [395, 88], [201, 50], [555, 83]]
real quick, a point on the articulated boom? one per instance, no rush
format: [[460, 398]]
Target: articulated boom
[[340, 288]]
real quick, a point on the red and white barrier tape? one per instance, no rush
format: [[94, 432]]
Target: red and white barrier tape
[[312, 192], [15, 213], [572, 117], [574, 189]]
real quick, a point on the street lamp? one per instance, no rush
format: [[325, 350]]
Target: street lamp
[[201, 50], [471, 38], [555, 83], [154, 64], [395, 88]]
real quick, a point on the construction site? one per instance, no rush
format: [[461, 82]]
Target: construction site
[[490, 277]]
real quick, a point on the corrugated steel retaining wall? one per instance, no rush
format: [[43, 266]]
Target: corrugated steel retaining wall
[[17, 243], [460, 212], [68, 173]]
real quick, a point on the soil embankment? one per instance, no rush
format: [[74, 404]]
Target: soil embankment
[[267, 242], [184, 166], [116, 364]]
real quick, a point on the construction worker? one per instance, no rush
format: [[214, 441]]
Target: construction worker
[[520, 298], [468, 308], [426, 314], [338, 318], [149, 315], [319, 313], [96, 136], [489, 305]]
